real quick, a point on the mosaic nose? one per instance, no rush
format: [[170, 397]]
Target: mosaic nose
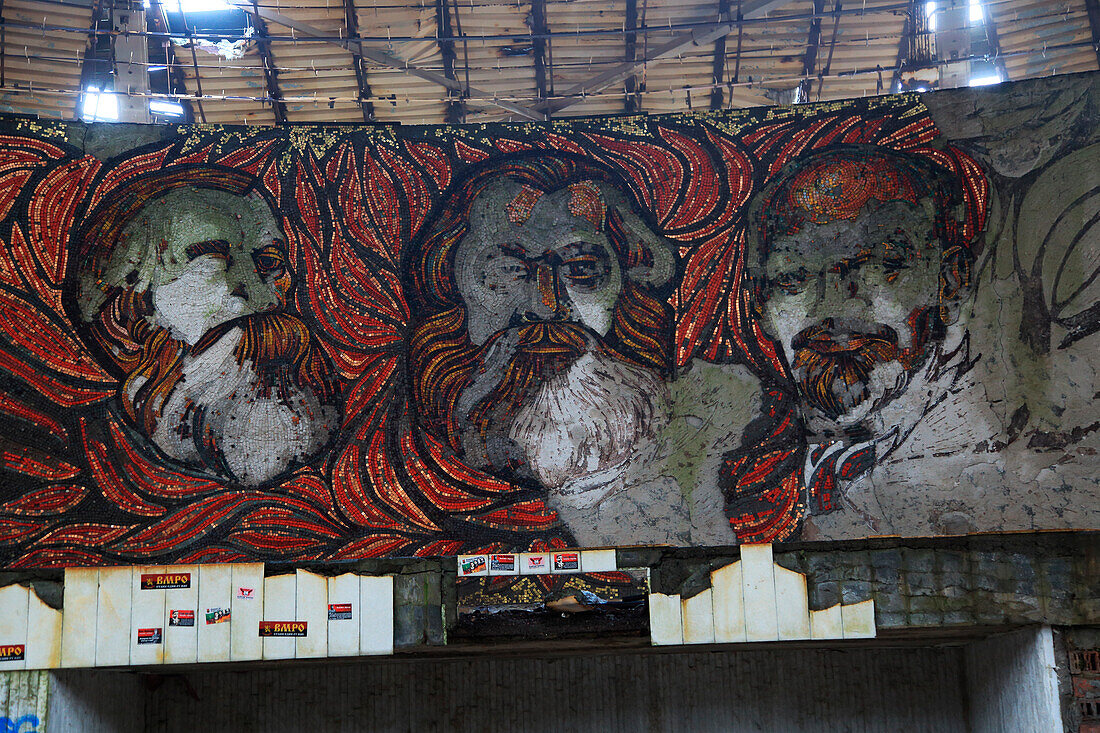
[[545, 301]]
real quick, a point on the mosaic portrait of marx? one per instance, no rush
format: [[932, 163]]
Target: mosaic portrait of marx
[[542, 346], [185, 289]]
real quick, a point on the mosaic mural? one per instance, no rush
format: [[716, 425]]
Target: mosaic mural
[[828, 321]]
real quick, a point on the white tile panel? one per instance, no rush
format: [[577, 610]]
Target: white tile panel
[[858, 620], [698, 618], [665, 620], [14, 600], [311, 606], [215, 592], [506, 563], [112, 637], [534, 563], [147, 612], [43, 634], [181, 642], [825, 624], [343, 634], [279, 605], [376, 614], [729, 604], [79, 620], [473, 565], [758, 584], [248, 609], [598, 561], [791, 604], [565, 562]]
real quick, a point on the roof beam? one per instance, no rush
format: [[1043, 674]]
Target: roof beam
[[599, 82], [632, 103], [194, 64], [809, 59], [456, 110], [740, 37], [539, 29], [719, 58], [380, 57], [1093, 8], [351, 23], [278, 108], [994, 42], [832, 47], [3, 48], [907, 41]]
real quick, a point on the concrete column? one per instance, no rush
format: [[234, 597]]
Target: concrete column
[[24, 701], [1012, 683]]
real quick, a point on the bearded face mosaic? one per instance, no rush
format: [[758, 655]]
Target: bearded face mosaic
[[827, 322]]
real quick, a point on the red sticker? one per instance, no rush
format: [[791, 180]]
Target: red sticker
[[149, 636], [161, 581], [282, 628], [339, 611], [12, 652], [181, 617]]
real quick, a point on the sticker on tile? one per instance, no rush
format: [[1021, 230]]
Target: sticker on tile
[[339, 611], [283, 628], [534, 563], [149, 636], [13, 625], [181, 617], [217, 615], [164, 581], [148, 598], [12, 652], [507, 564], [567, 562], [469, 565], [247, 604]]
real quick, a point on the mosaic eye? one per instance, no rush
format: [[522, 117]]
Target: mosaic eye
[[503, 269], [792, 282], [509, 263], [585, 267], [217, 248], [270, 262]]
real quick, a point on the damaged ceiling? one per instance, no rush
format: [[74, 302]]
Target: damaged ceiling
[[435, 61]]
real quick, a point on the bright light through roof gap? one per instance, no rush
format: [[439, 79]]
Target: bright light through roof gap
[[930, 14], [196, 6], [984, 81], [977, 14], [165, 108], [99, 105]]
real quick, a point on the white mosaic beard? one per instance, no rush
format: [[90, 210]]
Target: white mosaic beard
[[221, 417], [583, 424]]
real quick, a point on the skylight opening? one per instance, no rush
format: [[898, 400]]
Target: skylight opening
[[930, 14], [984, 81], [216, 26], [196, 6], [977, 12], [99, 105], [165, 108]]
